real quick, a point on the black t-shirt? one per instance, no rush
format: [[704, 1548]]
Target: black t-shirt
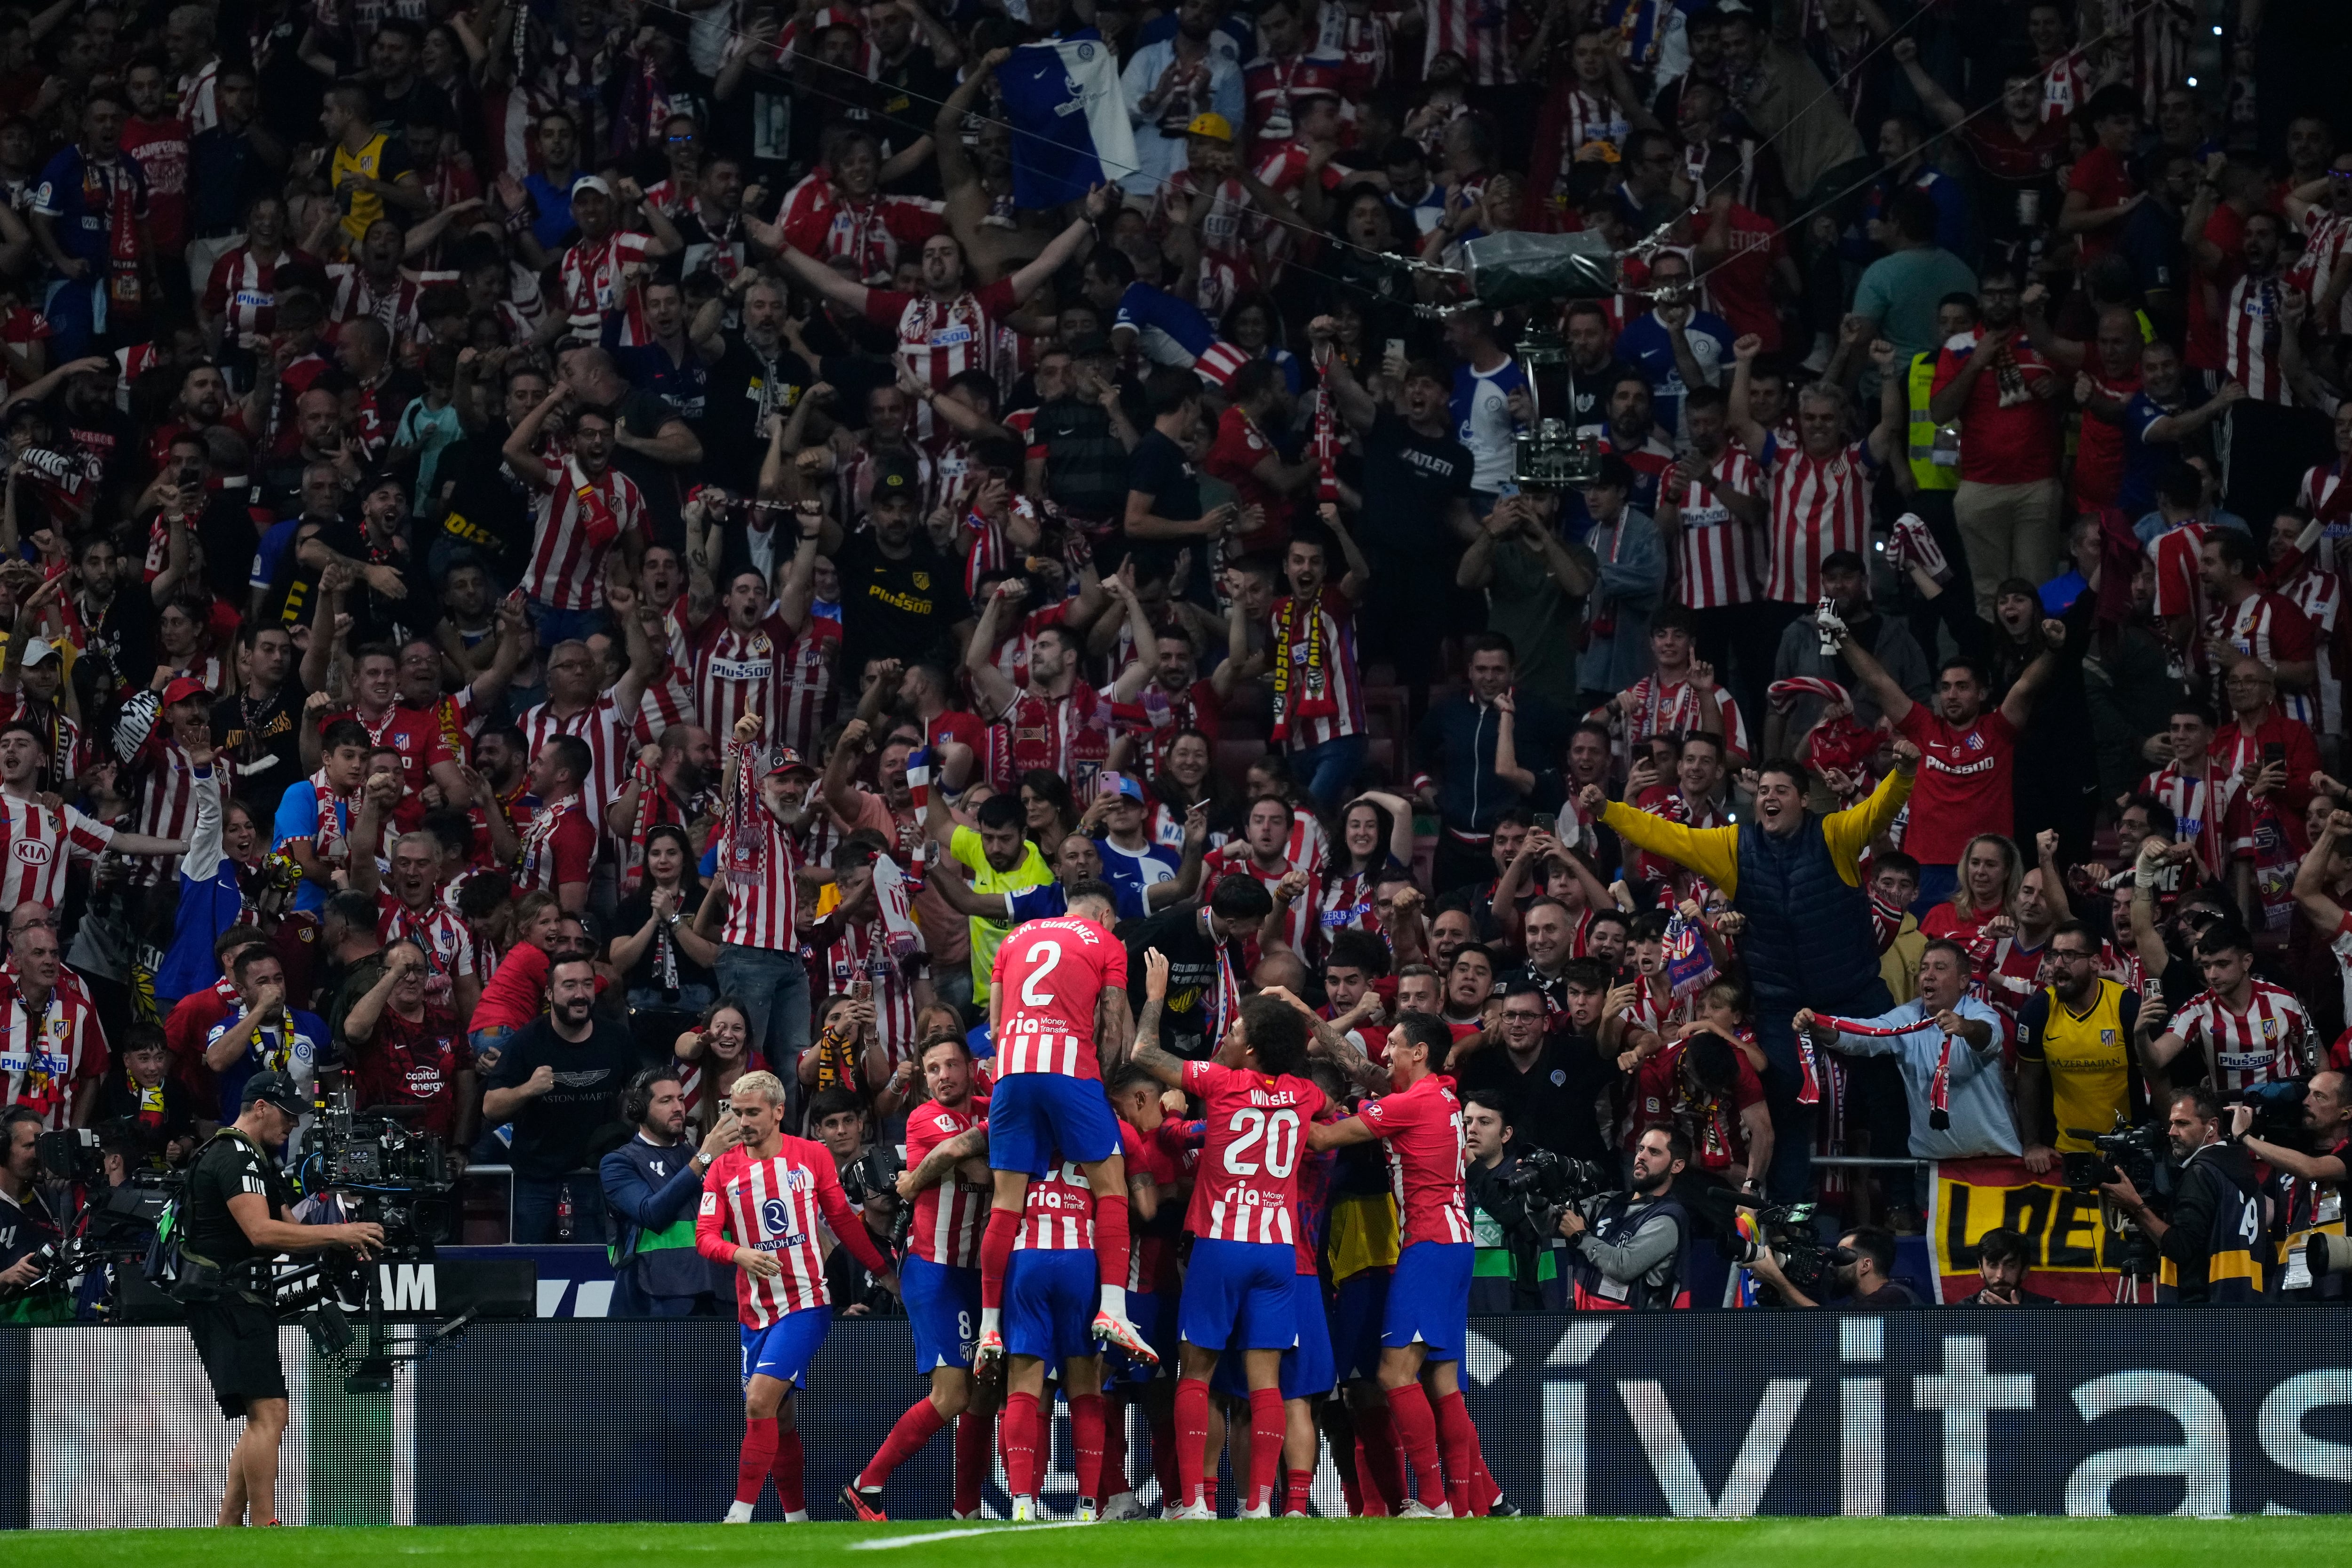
[[225, 527], [902, 609], [263, 735], [1158, 467], [489, 506], [1410, 483], [553, 1133], [908, 98], [1191, 955], [647, 975], [643, 413], [226, 1167], [745, 387], [1551, 1104], [1588, 393]]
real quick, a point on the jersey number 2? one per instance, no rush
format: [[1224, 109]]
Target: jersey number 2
[[1047, 954]]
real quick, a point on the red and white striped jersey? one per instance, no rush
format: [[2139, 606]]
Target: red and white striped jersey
[[2180, 584], [1011, 653], [760, 862], [1338, 709], [575, 532], [1070, 735], [40, 1064], [1269, 86], [2326, 495], [1422, 1128], [941, 341], [2065, 87], [772, 1206], [768, 670], [1058, 1214], [2199, 804], [440, 930], [604, 728], [670, 699], [1050, 974], [2326, 246], [1587, 118], [1715, 555], [816, 217], [2265, 1044], [2251, 324], [1819, 505], [35, 841], [590, 280], [2271, 629], [167, 799], [1232, 859], [1660, 707], [864, 952], [357, 296], [1247, 1184], [242, 294], [950, 1214], [1477, 30], [1362, 45]]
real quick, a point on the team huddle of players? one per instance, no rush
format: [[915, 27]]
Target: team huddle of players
[[1043, 1249]]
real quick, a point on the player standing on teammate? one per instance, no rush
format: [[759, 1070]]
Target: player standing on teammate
[[1427, 1319], [938, 1283], [1057, 999], [1239, 1286], [760, 1208]]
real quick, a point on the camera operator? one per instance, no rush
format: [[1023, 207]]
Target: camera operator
[[869, 1179], [2003, 1258], [1869, 1279], [2217, 1214], [1631, 1250], [652, 1185], [25, 1223], [2311, 1183], [1514, 1261], [233, 1219]]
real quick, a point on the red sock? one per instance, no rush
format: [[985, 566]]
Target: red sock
[[1111, 1238], [1459, 1439], [996, 1255], [1114, 1448], [1208, 1486], [1191, 1438], [1484, 1492], [914, 1429], [1416, 1426], [1018, 1432], [1356, 1485], [758, 1452], [1266, 1444], [1384, 1454], [1301, 1483], [788, 1469], [1163, 1452], [1087, 1418], [972, 1436]]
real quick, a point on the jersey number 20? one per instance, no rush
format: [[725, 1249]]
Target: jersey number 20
[[1279, 1130]]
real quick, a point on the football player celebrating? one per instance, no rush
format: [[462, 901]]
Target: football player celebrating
[[1239, 1287], [940, 1283], [1427, 1319], [760, 1208], [1056, 1001], [1048, 1288]]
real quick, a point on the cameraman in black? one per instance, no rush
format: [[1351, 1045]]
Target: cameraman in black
[[1630, 1251], [1869, 1278], [1513, 1261], [2208, 1242], [232, 1220], [2310, 1185], [25, 1223], [870, 1176]]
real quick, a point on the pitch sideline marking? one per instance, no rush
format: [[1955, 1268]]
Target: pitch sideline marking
[[895, 1541]]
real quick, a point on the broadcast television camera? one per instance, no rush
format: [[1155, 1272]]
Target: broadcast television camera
[[1806, 1262], [1548, 1182], [397, 1177]]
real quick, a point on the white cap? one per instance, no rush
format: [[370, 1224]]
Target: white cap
[[590, 182], [38, 649]]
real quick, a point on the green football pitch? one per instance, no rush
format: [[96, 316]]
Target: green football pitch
[[1359, 1544]]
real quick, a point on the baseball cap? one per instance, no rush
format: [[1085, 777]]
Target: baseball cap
[[895, 476], [273, 1088], [1214, 126], [789, 761], [1129, 787], [594, 183], [186, 689], [39, 648]]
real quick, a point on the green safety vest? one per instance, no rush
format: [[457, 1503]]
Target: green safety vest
[[1927, 474]]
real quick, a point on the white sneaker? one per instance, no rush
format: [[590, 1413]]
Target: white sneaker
[[798, 1516], [1298, 1513], [958, 1513], [1416, 1509], [1125, 1505], [1262, 1511], [1024, 1510], [738, 1514], [1086, 1514], [1193, 1512], [1113, 1329]]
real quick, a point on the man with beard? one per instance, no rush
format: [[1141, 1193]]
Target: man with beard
[[413, 733], [2207, 1240], [900, 596], [754, 380], [669, 784], [1630, 1250], [652, 1185], [558, 1082]]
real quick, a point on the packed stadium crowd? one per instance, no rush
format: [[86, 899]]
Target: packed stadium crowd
[[895, 711]]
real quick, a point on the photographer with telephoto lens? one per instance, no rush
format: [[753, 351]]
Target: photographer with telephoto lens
[[1864, 1265], [2207, 1243], [2307, 1163], [1631, 1250], [30, 1234]]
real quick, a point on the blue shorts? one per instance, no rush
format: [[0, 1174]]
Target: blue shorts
[[1362, 1298], [1238, 1293], [1429, 1298], [1049, 1305], [785, 1347], [1037, 1120], [1156, 1318], [943, 1305], [1306, 1366]]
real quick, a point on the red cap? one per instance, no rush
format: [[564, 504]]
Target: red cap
[[187, 688]]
